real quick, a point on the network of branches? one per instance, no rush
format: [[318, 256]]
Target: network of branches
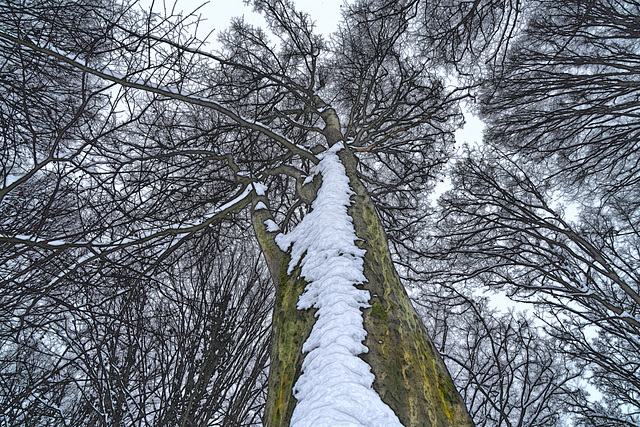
[[134, 151]]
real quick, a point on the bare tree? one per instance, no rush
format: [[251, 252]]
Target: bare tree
[[174, 141], [471, 37], [508, 235], [568, 94], [561, 130], [509, 370]]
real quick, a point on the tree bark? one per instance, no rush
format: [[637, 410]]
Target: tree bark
[[410, 376]]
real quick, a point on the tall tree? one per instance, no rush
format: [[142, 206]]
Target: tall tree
[[180, 139]]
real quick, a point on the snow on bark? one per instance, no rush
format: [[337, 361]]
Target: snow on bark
[[335, 387], [271, 226]]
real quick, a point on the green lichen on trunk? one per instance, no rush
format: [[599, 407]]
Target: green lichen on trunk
[[291, 327], [410, 375]]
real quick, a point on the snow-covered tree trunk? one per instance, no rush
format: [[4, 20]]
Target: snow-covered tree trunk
[[410, 376]]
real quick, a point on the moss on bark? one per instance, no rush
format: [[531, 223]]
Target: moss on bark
[[291, 327], [410, 375]]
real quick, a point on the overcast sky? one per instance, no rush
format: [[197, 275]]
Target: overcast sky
[[218, 13]]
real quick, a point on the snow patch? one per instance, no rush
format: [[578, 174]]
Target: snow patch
[[271, 226], [335, 388], [308, 179], [260, 188], [260, 206], [230, 203]]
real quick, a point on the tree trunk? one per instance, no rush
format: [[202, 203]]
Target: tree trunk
[[410, 376]]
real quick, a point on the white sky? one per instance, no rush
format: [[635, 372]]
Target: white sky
[[471, 132], [218, 13]]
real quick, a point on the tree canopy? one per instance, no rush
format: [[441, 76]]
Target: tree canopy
[[147, 174]]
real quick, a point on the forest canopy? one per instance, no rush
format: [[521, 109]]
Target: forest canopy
[[149, 177]]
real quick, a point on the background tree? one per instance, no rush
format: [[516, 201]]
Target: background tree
[[108, 318], [562, 132], [509, 371], [469, 37]]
